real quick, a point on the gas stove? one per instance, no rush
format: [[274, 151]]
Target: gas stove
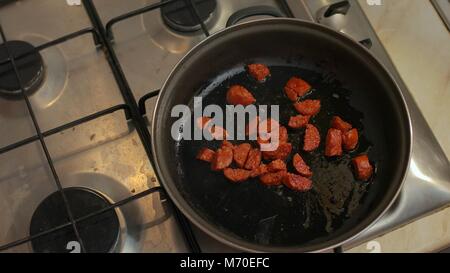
[[76, 168]]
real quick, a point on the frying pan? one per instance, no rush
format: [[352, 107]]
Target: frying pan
[[350, 82]]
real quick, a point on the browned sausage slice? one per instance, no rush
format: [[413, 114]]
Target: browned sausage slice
[[301, 167], [241, 154], [253, 160], [333, 146], [298, 122], [297, 182], [223, 159], [308, 107], [236, 175], [363, 168], [262, 169], [258, 71], [276, 166], [340, 124], [350, 139], [206, 155], [296, 87], [239, 95], [272, 179], [282, 152], [312, 138]]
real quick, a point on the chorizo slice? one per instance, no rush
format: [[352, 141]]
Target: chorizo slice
[[258, 71], [363, 168], [282, 152], [297, 182], [301, 167], [240, 154], [253, 160], [276, 166], [340, 124], [236, 175], [299, 121], [283, 137], [206, 155], [239, 95], [333, 146], [223, 159], [262, 169], [228, 144], [350, 140], [273, 179], [296, 87], [308, 107], [311, 139]]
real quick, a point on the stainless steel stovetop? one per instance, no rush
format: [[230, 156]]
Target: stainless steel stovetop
[[107, 155]]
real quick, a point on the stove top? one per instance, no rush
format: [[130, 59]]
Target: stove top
[[77, 144]]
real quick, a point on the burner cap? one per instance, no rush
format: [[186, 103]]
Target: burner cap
[[31, 69], [100, 234], [179, 17]]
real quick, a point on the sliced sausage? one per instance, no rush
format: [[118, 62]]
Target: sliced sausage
[[282, 152], [276, 166], [301, 167], [273, 179], [350, 140], [297, 182], [283, 136], [206, 155], [308, 107], [241, 153], [363, 168], [239, 95], [333, 146], [223, 159], [296, 87], [340, 124], [262, 169], [298, 122], [258, 71], [312, 138], [253, 160], [236, 175], [228, 144]]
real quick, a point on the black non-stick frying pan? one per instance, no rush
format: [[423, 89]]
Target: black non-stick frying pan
[[348, 80]]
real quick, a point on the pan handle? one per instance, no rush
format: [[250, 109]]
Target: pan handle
[[253, 11]]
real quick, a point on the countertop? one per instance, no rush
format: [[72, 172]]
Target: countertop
[[418, 42]]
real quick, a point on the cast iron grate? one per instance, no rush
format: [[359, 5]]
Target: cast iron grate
[[134, 112]]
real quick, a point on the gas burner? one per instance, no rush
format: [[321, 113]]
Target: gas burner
[[179, 17], [31, 69], [100, 234]]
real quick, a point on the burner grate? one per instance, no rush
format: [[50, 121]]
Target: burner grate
[[99, 235], [31, 69]]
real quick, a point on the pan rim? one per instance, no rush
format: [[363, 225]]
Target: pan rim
[[226, 237]]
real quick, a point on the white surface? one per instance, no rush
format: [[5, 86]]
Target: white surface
[[419, 44]]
